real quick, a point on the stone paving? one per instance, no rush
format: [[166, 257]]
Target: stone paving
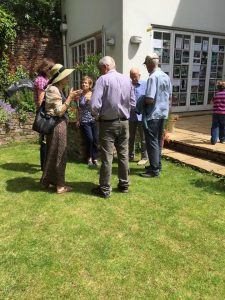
[[195, 130]]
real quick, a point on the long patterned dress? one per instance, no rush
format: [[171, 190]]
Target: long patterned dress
[[55, 163]]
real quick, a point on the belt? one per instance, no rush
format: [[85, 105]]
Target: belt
[[113, 120]]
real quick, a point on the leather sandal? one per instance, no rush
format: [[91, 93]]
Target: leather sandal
[[65, 189]]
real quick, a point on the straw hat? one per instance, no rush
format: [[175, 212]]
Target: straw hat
[[58, 72]]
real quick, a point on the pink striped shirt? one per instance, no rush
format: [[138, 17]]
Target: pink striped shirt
[[219, 103]]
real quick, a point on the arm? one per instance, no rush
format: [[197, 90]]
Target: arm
[[40, 97], [96, 98], [54, 103], [150, 91]]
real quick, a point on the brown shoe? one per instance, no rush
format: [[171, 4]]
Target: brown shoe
[[142, 162]]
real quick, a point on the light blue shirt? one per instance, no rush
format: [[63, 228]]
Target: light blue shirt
[[139, 90], [113, 96], [158, 88]]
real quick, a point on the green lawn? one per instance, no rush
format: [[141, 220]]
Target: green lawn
[[165, 239]]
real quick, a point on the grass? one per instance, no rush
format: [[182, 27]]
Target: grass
[[165, 239]]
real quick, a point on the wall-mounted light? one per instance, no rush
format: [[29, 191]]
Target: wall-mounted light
[[110, 41], [63, 27], [135, 39]]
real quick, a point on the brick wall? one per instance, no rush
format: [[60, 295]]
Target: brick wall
[[32, 46]]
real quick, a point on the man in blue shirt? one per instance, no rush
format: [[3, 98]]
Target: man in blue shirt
[[154, 108], [135, 120]]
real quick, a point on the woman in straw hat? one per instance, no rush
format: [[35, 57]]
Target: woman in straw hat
[[56, 104]]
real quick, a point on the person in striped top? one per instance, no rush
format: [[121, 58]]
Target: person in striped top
[[218, 117]]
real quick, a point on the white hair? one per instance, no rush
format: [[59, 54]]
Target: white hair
[[109, 61]]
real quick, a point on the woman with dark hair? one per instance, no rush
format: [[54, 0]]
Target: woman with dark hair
[[40, 83], [41, 80], [87, 122]]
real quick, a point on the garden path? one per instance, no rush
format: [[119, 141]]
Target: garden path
[[194, 132]]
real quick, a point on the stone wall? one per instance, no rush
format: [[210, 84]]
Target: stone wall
[[17, 130], [22, 131], [76, 143]]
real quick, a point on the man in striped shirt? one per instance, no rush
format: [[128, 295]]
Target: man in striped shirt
[[218, 117]]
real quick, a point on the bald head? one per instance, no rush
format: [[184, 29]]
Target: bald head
[[135, 75]]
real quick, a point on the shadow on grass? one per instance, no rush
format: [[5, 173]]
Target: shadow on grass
[[210, 185], [82, 187], [21, 184], [21, 167], [133, 170]]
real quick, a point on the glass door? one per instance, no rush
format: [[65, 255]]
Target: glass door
[[199, 71], [194, 62], [181, 65], [216, 65]]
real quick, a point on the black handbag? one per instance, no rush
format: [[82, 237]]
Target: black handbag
[[44, 123]]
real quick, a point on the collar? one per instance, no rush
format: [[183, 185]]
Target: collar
[[156, 69]]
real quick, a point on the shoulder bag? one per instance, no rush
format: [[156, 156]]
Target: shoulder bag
[[44, 123]]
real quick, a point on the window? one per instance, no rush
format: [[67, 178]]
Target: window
[[81, 50]]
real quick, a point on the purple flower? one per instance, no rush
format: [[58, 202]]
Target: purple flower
[[7, 107]]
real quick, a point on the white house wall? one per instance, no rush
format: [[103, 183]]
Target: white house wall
[[206, 15], [85, 17]]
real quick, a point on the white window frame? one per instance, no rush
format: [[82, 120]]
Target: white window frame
[[188, 106]]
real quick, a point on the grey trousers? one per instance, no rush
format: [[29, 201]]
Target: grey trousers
[[113, 134], [133, 126]]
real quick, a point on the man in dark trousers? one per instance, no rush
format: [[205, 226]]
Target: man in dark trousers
[[154, 107], [111, 102]]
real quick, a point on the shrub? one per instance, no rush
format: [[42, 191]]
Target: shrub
[[6, 112], [89, 67]]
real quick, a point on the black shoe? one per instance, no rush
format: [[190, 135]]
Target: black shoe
[[98, 192], [149, 175], [122, 189], [148, 169]]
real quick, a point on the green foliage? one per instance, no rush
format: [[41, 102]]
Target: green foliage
[[7, 30], [89, 67], [4, 116], [4, 71], [43, 14], [6, 112], [23, 101], [72, 114], [7, 37], [20, 73]]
